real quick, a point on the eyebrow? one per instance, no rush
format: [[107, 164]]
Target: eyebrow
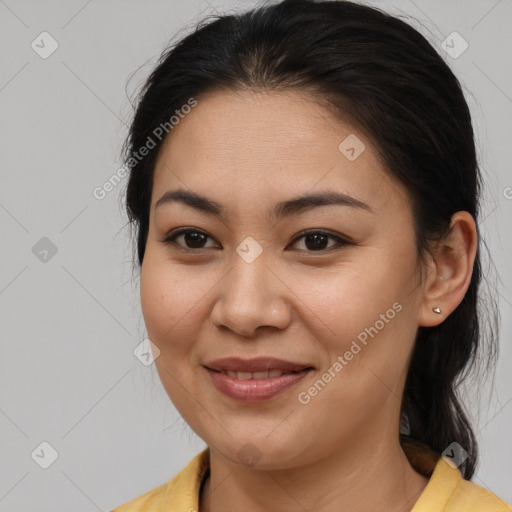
[[283, 209]]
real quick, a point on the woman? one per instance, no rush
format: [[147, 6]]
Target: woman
[[304, 190]]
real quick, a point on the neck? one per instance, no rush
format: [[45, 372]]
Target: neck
[[360, 477]]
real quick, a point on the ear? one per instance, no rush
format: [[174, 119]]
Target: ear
[[450, 270]]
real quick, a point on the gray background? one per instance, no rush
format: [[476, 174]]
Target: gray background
[[69, 325]]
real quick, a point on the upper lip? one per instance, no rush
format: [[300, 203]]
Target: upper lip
[[258, 364]]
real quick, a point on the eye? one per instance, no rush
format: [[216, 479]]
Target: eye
[[316, 240], [193, 237]]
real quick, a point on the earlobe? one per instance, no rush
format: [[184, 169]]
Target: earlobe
[[453, 260]]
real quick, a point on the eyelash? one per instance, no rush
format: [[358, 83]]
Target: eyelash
[[171, 237]]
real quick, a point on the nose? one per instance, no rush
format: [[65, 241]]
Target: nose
[[250, 297]]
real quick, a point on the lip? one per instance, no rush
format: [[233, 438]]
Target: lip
[[258, 364], [255, 390]]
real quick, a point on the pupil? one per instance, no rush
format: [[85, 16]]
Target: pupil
[[196, 238], [316, 239]]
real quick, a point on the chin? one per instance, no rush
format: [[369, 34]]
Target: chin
[[259, 451]]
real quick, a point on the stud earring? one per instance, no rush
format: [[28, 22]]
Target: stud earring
[[436, 310]]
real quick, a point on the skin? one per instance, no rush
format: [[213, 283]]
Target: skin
[[248, 151]]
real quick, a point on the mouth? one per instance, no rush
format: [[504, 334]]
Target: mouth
[[256, 368], [267, 374], [255, 380]]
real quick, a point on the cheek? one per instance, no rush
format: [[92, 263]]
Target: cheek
[[170, 299], [362, 312], [342, 302]]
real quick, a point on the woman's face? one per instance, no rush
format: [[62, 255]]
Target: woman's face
[[246, 284]]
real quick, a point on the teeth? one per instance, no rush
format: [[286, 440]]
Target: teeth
[[255, 375]]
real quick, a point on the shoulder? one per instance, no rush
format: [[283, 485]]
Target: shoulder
[[447, 490], [179, 493], [151, 500], [471, 497]]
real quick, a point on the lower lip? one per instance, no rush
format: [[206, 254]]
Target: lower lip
[[255, 390]]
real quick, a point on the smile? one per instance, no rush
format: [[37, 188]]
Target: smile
[[255, 386]]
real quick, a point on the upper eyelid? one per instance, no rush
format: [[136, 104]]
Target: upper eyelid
[[171, 236]]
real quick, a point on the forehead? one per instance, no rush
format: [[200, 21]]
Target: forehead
[[269, 145]]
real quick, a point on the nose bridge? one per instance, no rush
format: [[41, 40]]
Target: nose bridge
[[250, 281], [251, 295]]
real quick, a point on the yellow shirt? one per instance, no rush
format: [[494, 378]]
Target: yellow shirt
[[446, 490]]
